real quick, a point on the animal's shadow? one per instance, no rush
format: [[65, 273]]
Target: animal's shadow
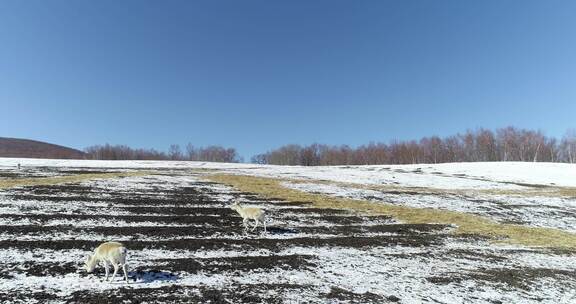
[[136, 276], [280, 230], [270, 231]]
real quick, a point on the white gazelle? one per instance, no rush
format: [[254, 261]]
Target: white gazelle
[[109, 252], [250, 213]]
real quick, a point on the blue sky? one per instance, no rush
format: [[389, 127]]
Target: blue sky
[[258, 74]]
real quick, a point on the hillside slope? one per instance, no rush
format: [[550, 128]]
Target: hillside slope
[[25, 148]]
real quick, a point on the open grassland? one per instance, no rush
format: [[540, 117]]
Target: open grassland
[[187, 246], [466, 223]]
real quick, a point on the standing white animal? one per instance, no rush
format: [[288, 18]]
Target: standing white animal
[[109, 252], [250, 213]]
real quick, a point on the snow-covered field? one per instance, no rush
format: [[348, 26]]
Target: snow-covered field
[[187, 246], [444, 176]]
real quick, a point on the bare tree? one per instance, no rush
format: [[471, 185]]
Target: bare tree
[[174, 152], [568, 146], [191, 152]]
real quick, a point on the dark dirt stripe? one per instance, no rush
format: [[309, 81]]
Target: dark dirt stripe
[[39, 269], [128, 218], [152, 198], [401, 229], [217, 216], [135, 231], [190, 265], [236, 244], [235, 293], [233, 227], [240, 263], [227, 211]]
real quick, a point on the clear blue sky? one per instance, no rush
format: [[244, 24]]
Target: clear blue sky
[[258, 74]]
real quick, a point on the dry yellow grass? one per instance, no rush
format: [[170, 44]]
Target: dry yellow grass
[[9, 183], [466, 223]]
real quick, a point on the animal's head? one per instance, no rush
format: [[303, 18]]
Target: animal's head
[[89, 264], [235, 205]]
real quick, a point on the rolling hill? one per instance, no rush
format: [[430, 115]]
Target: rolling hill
[[25, 148]]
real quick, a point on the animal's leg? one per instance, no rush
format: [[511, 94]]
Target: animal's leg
[[105, 270], [264, 224], [245, 222], [125, 272], [115, 272], [255, 224]]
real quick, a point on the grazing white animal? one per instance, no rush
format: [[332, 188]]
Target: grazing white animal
[[109, 252], [250, 213]]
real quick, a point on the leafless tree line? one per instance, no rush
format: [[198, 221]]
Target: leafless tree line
[[505, 144], [212, 154], [122, 152]]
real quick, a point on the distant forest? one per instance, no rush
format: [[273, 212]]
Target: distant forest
[[505, 144], [121, 152]]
